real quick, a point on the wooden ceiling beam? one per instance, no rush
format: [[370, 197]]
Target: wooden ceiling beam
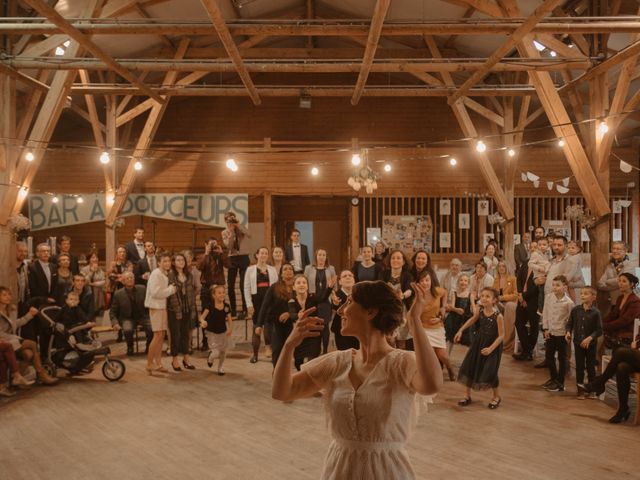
[[232, 49], [313, 90], [329, 27], [93, 112], [302, 65], [377, 21], [44, 9], [528, 25]]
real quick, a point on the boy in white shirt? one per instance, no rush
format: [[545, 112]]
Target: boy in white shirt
[[556, 314]]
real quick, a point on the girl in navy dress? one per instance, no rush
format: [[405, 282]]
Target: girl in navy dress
[[479, 369]]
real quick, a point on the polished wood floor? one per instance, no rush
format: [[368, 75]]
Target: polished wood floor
[[196, 425]]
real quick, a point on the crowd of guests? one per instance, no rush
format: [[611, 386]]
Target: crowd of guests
[[169, 296]]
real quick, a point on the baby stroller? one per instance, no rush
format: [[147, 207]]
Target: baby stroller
[[66, 352]]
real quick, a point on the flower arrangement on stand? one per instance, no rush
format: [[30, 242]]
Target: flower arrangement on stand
[[20, 225], [577, 213]]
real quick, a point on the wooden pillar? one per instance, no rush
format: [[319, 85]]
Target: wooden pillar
[[7, 154], [600, 235], [110, 176], [354, 233], [268, 220]]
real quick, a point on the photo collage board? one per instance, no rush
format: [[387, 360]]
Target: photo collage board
[[408, 233]]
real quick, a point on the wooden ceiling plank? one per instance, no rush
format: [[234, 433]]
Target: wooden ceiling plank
[[232, 49]]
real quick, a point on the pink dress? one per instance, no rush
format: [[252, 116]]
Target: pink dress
[[370, 426]]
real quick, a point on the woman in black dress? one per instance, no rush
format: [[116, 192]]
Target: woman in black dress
[[275, 311], [303, 300], [182, 312], [479, 369], [338, 299], [367, 268]]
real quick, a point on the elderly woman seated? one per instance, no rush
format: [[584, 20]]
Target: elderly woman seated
[[24, 349]]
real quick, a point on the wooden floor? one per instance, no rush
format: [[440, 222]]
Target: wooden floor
[[196, 425]]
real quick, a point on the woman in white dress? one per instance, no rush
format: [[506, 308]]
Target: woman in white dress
[[370, 393]]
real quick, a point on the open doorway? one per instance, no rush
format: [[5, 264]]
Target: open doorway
[[323, 223]]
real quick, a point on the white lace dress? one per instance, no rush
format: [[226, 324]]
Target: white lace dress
[[370, 426]]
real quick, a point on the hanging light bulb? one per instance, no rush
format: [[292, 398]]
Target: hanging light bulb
[[511, 152], [232, 165], [480, 146], [110, 198], [561, 143], [355, 159], [80, 200], [29, 156], [387, 167], [553, 54], [453, 162], [603, 127], [23, 192], [315, 171], [137, 166], [54, 200], [104, 158]]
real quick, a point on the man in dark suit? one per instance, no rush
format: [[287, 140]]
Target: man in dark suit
[[148, 264], [43, 278], [135, 248], [297, 254], [64, 246], [128, 311], [521, 251]]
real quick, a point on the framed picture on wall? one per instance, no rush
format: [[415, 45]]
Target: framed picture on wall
[[464, 221], [483, 208], [445, 207], [445, 240]]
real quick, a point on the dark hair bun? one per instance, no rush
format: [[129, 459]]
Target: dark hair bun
[[380, 296]]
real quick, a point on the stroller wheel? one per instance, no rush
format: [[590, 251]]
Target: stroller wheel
[[113, 369], [50, 368]]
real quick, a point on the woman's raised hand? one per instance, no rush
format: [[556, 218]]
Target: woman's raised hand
[[420, 301], [305, 327]]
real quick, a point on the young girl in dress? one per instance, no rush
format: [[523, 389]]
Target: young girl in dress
[[432, 315], [216, 319], [459, 311], [479, 369]]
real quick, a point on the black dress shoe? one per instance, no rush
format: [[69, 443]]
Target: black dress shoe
[[188, 366], [176, 369], [620, 417], [597, 386]]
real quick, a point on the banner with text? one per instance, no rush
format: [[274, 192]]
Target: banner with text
[[203, 208]]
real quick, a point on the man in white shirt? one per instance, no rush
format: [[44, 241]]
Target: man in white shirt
[[296, 253]]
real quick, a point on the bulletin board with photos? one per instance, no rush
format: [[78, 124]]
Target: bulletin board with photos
[[408, 233]]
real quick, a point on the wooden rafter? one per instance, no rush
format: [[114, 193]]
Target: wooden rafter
[[227, 41], [144, 142], [40, 134], [469, 130], [377, 21], [44, 9], [538, 14], [93, 112]]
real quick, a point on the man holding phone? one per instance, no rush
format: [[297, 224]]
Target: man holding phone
[[234, 239]]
